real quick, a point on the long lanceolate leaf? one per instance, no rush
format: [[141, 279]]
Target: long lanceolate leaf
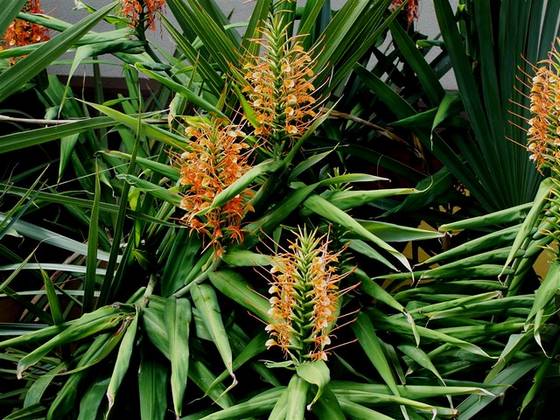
[[28, 138], [206, 302], [49, 237], [178, 317], [322, 207], [93, 238], [13, 79]]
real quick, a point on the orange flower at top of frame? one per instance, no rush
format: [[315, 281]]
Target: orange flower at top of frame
[[411, 9], [142, 10], [21, 32]]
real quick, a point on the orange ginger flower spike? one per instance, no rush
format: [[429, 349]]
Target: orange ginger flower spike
[[216, 159], [544, 124], [280, 84], [21, 32], [305, 298], [411, 9], [138, 11]]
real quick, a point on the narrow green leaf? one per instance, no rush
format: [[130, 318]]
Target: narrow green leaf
[[532, 219], [244, 258], [93, 239], [182, 90], [328, 407], [322, 207], [54, 302], [316, 373], [232, 285], [178, 318], [357, 411], [14, 78], [206, 302], [149, 130], [123, 361], [153, 394], [297, 397], [91, 401], [28, 138], [417, 62], [243, 182], [363, 328]]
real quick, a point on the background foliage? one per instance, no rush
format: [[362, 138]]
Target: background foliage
[[115, 308]]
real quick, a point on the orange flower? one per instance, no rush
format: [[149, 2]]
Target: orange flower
[[544, 125], [411, 9], [280, 84], [21, 32], [305, 298], [142, 11], [216, 159]]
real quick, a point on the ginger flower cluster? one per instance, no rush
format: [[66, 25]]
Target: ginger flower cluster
[[21, 32], [544, 124], [142, 11], [217, 157], [305, 298], [280, 84], [411, 9]]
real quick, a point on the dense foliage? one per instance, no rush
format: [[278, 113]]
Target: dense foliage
[[283, 218]]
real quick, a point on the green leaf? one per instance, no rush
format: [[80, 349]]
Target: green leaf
[[182, 90], [316, 373], [256, 406], [349, 199], [244, 258], [232, 285], [363, 328], [357, 411], [448, 107], [40, 385], [328, 407], [91, 401], [178, 318], [322, 207], [153, 394], [472, 406], [52, 238], [255, 347], [76, 331], [258, 17], [426, 76], [123, 361], [206, 302], [279, 410], [28, 138], [420, 357], [169, 171], [13, 79], [391, 232], [93, 238], [532, 219], [515, 214], [149, 130], [243, 182], [546, 292], [152, 189], [297, 397], [54, 302]]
